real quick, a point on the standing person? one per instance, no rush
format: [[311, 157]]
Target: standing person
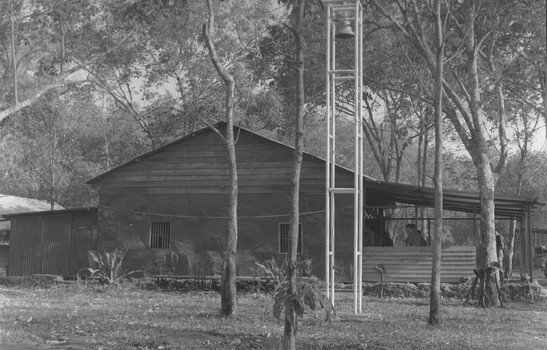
[[413, 237], [384, 240], [370, 240]]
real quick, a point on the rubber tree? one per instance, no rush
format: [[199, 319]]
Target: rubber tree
[[28, 50], [435, 294], [521, 170], [288, 341], [228, 291], [463, 99]]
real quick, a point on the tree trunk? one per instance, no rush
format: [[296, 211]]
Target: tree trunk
[[510, 247], [14, 56], [228, 288], [62, 30], [543, 83], [289, 334], [424, 157], [508, 263], [57, 82], [228, 291], [478, 148], [487, 246], [545, 100], [419, 161], [52, 160], [422, 176], [467, 118], [435, 297]]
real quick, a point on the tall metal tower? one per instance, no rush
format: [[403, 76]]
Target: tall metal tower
[[344, 22]]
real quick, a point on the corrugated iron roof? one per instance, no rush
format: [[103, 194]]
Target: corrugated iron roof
[[195, 134], [455, 200], [13, 204], [464, 201], [50, 212]]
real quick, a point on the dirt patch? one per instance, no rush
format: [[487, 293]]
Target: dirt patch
[[132, 318], [34, 281], [188, 340], [50, 344]]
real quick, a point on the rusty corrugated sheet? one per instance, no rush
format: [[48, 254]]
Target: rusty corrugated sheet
[[413, 264], [25, 241], [55, 258], [39, 246]]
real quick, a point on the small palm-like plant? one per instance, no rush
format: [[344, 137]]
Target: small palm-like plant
[[166, 263], [109, 266], [308, 289]]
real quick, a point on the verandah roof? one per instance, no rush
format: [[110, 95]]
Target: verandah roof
[[453, 200], [465, 201]]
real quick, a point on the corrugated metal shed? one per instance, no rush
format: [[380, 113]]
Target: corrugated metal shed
[[51, 242], [14, 205]]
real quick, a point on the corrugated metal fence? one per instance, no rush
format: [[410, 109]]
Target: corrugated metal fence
[[413, 264]]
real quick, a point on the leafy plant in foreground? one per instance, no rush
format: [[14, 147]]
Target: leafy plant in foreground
[[308, 291], [109, 268]]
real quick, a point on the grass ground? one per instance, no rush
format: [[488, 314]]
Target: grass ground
[[80, 317]]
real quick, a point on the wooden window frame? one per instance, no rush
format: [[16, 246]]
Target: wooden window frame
[[160, 231], [283, 243]]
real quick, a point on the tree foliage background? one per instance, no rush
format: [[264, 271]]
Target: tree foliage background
[[108, 80]]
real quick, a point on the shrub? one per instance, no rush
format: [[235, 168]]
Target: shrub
[[166, 263], [109, 268], [308, 291]]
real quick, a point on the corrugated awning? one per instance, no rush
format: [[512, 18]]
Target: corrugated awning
[[454, 200], [51, 212]]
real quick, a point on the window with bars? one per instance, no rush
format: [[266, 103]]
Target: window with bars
[[160, 235], [284, 238]]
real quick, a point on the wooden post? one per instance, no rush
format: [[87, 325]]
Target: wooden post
[[529, 246], [42, 245], [522, 248], [475, 225], [429, 232], [70, 242]]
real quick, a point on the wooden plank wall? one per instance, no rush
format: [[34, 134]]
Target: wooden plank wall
[[199, 165], [413, 264], [187, 182]]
